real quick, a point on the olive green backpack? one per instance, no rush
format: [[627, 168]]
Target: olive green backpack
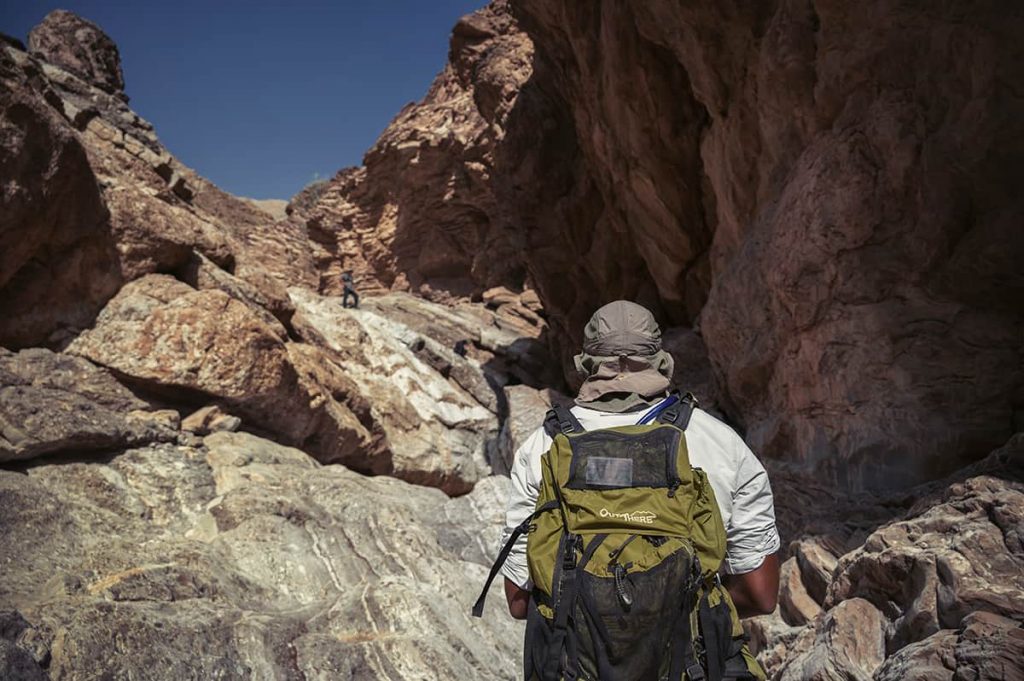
[[624, 549]]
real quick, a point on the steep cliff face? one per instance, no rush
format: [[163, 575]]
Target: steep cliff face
[[420, 214], [825, 189], [824, 192]]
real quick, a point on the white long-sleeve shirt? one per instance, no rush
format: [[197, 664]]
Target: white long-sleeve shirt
[[740, 482]]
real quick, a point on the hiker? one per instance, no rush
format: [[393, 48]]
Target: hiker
[[593, 493], [348, 290]]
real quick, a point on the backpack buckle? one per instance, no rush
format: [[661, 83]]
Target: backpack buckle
[[569, 557], [694, 672]]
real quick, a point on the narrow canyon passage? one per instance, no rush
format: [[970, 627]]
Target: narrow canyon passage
[[211, 466]]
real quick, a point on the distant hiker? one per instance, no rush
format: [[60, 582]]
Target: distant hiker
[[348, 289], [460, 348], [627, 514]]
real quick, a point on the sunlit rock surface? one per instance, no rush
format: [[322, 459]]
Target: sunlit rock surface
[[240, 558]]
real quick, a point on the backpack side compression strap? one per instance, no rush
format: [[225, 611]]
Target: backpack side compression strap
[[478, 607]]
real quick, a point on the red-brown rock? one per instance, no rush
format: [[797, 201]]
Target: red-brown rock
[[80, 46], [841, 227], [58, 264], [421, 215]]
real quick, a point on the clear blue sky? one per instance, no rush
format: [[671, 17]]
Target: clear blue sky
[[262, 97]]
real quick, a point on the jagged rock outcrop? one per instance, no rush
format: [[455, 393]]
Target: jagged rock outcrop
[[420, 214], [93, 200], [986, 647], [937, 593], [79, 46], [243, 559], [54, 234], [175, 341]]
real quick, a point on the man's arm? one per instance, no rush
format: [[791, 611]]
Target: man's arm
[[523, 491], [517, 598], [753, 593], [752, 554]]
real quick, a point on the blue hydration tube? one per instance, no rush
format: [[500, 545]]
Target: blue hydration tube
[[657, 409]]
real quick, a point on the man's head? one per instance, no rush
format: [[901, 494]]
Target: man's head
[[622, 360], [622, 328]]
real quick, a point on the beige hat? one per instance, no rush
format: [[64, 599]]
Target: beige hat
[[622, 329], [622, 356]]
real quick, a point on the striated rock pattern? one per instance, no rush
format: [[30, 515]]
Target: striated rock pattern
[[240, 558], [433, 412], [364, 387]]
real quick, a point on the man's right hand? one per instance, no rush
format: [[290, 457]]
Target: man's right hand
[[518, 599]]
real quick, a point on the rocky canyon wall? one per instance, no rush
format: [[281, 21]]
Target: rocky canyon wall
[[164, 355], [420, 214], [199, 447], [825, 191]]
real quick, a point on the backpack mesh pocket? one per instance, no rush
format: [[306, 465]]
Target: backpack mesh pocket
[[604, 459]]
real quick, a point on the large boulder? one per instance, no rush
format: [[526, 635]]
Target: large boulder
[[190, 346], [245, 559], [53, 403], [433, 411]]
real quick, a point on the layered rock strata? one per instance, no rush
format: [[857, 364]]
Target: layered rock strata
[[420, 214], [240, 558]]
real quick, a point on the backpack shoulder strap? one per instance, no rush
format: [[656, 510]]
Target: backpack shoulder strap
[[679, 414], [521, 529], [560, 420]]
